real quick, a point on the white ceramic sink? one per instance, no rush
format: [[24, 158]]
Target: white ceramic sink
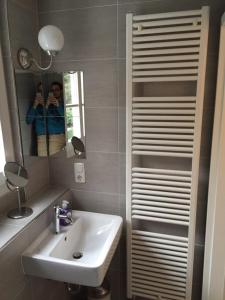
[[94, 235]]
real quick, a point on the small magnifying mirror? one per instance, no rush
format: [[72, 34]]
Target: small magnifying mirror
[[16, 179], [78, 147]]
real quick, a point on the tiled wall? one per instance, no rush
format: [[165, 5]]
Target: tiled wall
[[95, 43], [14, 284], [94, 33], [19, 28]]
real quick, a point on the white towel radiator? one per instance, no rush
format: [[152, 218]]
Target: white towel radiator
[[166, 62]]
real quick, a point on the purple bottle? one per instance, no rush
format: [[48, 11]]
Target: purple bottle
[[67, 211]]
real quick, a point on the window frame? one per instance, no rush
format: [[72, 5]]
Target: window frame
[[80, 106]]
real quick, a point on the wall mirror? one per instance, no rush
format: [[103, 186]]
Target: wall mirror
[[51, 111]]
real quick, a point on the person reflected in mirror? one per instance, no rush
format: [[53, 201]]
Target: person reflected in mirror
[[55, 120], [36, 117]]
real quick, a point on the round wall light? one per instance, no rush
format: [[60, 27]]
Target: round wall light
[[50, 39]]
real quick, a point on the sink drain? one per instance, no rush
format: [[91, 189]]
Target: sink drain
[[77, 255]]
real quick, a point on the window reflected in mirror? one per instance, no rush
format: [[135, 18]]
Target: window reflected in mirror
[[74, 105]]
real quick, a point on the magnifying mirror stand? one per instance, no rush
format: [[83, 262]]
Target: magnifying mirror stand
[[21, 211]]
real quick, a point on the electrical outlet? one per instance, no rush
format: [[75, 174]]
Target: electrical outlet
[[79, 172]]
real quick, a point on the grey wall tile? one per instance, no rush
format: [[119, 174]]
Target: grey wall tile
[[216, 10], [123, 285], [8, 201], [82, 39], [197, 273], [61, 170], [211, 77], [114, 277], [100, 80], [101, 129], [27, 4], [122, 177], [26, 293], [122, 130], [122, 82], [22, 23], [116, 260], [208, 109], [207, 128], [40, 224], [96, 202], [47, 289], [102, 172], [201, 215], [71, 4], [123, 208], [202, 200], [10, 259], [38, 172], [122, 2]]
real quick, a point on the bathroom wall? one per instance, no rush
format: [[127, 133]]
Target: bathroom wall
[[19, 28], [95, 43], [14, 284]]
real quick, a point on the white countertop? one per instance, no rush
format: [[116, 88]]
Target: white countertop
[[10, 228]]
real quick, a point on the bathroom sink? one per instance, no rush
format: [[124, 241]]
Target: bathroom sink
[[80, 253]]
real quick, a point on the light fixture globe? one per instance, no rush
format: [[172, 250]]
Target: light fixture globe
[[51, 39]]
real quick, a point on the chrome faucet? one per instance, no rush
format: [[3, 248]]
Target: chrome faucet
[[58, 216]]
